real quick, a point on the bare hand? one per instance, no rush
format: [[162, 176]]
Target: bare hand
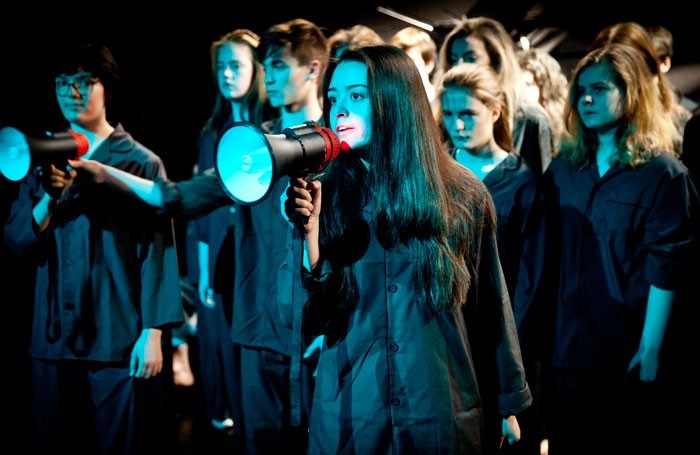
[[303, 204], [56, 181], [648, 363], [510, 430], [147, 355], [89, 170]]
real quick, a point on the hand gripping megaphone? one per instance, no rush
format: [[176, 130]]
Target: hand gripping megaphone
[[248, 162], [18, 151]]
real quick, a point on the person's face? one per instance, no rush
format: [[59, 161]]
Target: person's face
[[80, 97], [350, 110], [468, 50], [284, 77], [532, 90], [469, 122], [234, 70], [599, 98]]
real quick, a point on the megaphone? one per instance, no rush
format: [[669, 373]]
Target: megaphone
[[18, 151], [248, 162]]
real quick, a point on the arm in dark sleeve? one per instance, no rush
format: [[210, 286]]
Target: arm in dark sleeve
[[527, 296], [193, 198], [499, 353], [671, 230], [160, 283]]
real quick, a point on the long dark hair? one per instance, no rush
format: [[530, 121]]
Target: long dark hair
[[417, 194]]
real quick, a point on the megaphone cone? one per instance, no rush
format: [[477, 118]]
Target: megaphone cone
[[248, 162], [18, 151]]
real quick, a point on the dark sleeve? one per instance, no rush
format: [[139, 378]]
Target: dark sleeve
[[531, 253], [160, 283], [193, 198], [513, 391], [488, 315], [670, 232], [160, 303], [493, 336], [534, 138]]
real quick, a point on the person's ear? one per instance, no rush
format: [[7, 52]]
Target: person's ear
[[429, 66], [495, 114], [314, 70]]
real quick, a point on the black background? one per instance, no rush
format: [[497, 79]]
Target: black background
[[164, 51]]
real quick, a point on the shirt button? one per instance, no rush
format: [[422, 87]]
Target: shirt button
[[395, 401], [393, 347], [393, 288]]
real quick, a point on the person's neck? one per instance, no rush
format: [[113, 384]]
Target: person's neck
[[99, 129], [481, 161], [607, 149], [489, 153], [237, 114], [296, 115]]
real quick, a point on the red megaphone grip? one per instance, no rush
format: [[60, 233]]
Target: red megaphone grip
[[332, 143]]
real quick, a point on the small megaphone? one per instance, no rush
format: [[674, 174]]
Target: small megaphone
[[248, 162], [18, 151]]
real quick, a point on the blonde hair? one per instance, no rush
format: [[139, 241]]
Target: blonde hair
[[350, 38], [415, 38], [552, 82], [642, 134], [501, 50], [485, 85], [635, 35]]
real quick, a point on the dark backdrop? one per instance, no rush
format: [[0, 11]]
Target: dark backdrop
[[163, 52]]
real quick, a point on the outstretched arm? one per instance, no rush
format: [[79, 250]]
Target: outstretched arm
[[146, 190]]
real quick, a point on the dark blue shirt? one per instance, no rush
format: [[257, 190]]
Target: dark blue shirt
[[106, 267], [620, 233]]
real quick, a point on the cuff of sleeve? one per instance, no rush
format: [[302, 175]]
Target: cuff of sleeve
[[318, 275], [171, 195], [515, 403]]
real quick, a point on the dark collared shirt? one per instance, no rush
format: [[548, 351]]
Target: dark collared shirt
[[106, 266], [620, 233]]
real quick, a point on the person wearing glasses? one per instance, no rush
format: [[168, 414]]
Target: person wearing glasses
[[107, 282]]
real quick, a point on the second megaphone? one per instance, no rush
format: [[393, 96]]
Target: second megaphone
[[249, 162], [18, 151]]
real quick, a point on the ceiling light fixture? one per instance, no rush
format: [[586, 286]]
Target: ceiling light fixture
[[403, 17]]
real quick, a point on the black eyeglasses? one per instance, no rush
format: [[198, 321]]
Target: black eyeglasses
[[83, 82]]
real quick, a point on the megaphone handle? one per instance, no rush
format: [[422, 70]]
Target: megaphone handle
[[308, 179]]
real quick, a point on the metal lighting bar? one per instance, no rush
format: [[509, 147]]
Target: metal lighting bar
[[403, 17]]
